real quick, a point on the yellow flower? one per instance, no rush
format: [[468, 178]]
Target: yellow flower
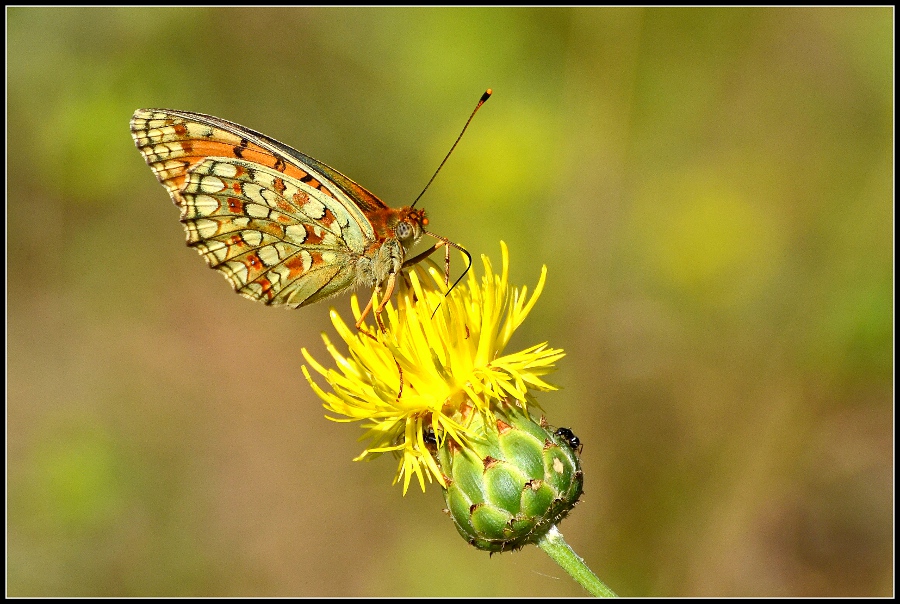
[[439, 360]]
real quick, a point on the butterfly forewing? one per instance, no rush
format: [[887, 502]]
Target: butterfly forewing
[[283, 228]]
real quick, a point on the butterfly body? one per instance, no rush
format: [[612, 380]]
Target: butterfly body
[[284, 228]]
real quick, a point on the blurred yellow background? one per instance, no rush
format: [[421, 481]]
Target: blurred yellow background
[[711, 190]]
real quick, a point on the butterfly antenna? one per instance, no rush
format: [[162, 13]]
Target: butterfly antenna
[[484, 97]]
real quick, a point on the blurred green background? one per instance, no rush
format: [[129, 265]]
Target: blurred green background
[[711, 190]]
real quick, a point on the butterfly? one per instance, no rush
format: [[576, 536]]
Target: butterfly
[[283, 228]]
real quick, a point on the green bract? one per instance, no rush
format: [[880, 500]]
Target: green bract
[[511, 484]]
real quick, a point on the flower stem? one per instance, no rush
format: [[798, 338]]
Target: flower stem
[[555, 546]]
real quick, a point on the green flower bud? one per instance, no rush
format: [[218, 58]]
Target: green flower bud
[[512, 483]]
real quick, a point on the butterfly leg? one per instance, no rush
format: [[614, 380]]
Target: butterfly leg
[[420, 257], [388, 291], [447, 244], [400, 370], [447, 265], [366, 311], [430, 251]]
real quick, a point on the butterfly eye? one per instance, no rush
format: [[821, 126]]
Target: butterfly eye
[[403, 230]]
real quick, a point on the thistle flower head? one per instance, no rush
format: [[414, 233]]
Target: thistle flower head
[[439, 361]]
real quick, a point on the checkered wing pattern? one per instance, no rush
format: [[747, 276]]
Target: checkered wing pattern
[[282, 227]]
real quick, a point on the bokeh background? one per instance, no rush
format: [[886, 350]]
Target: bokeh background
[[711, 190]]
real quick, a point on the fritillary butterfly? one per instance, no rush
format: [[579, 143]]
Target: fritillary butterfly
[[284, 228]]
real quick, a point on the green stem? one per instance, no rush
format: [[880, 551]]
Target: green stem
[[555, 546]]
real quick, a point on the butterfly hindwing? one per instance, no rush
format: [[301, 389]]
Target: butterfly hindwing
[[279, 231]]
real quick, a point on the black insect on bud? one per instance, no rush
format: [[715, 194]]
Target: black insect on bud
[[573, 441], [430, 438]]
